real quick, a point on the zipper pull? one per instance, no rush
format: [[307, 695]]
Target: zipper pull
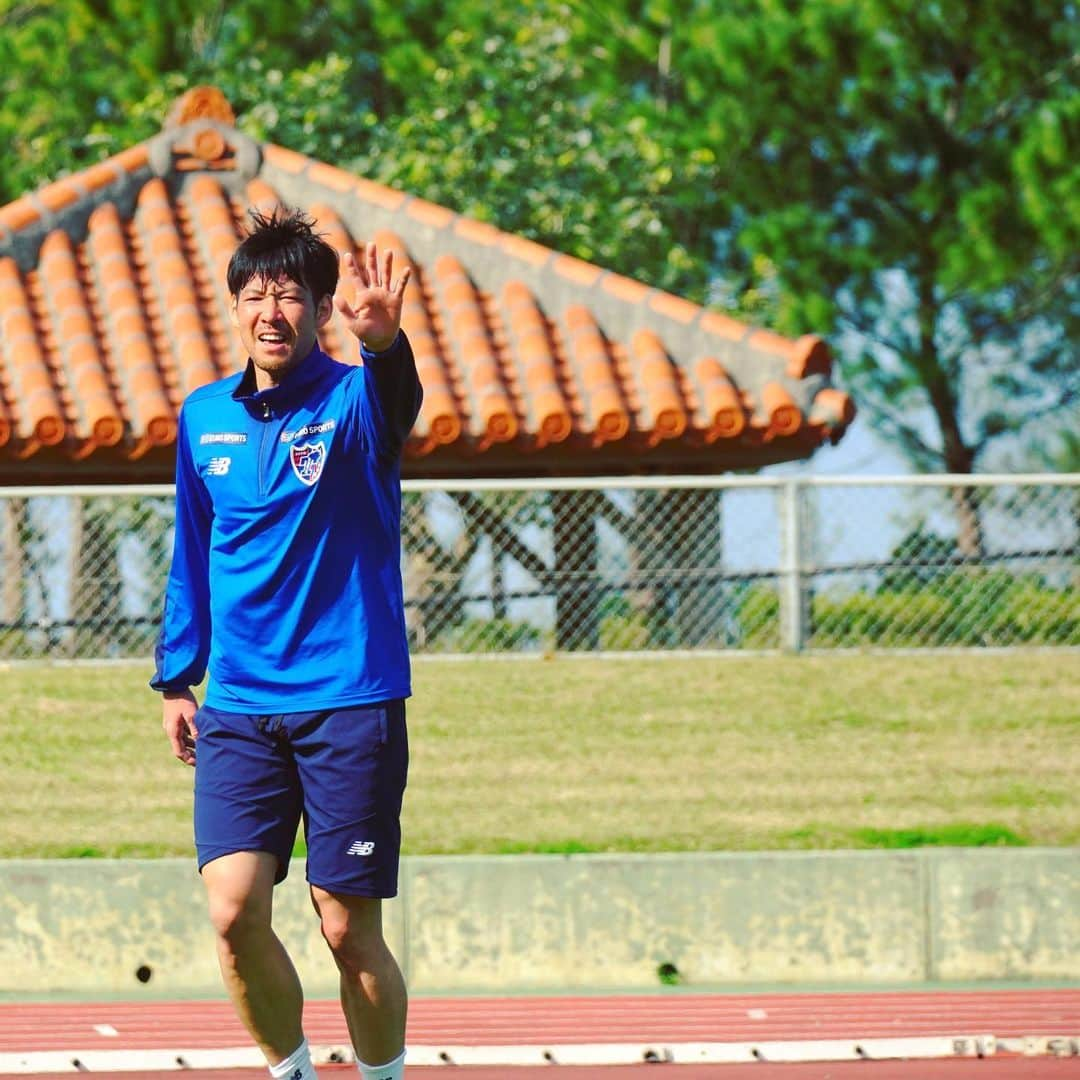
[[266, 410]]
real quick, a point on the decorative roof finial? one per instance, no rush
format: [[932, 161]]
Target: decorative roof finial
[[201, 103]]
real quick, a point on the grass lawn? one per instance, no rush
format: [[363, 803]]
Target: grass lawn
[[729, 753]]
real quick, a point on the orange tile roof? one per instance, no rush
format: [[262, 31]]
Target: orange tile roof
[[113, 308]]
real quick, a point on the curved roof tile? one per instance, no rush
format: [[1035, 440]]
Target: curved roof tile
[[74, 338], [113, 308], [491, 415], [720, 410], [40, 417], [658, 388], [548, 413], [126, 335], [783, 414], [440, 420], [607, 418]]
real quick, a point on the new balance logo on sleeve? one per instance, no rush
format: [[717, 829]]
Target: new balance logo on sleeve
[[361, 847]]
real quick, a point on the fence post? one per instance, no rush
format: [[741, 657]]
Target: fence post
[[792, 613]]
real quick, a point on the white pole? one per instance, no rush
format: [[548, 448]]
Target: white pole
[[792, 629]]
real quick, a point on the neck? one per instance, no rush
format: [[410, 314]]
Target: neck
[[264, 379]]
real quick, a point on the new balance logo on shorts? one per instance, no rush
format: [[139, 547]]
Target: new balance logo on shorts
[[361, 847]]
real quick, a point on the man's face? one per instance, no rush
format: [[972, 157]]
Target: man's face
[[278, 322]]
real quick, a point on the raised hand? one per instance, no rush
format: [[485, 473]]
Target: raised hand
[[368, 300]]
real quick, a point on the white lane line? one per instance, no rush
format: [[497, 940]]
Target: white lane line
[[807, 1050]]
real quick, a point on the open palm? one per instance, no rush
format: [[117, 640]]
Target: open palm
[[369, 300]]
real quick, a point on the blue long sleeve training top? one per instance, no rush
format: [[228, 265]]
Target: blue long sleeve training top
[[286, 573]]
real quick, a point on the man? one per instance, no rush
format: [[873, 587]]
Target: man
[[285, 584]]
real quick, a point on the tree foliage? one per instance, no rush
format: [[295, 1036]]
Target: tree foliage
[[902, 177]]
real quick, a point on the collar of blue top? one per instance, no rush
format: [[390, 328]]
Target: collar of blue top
[[308, 372], [295, 384]]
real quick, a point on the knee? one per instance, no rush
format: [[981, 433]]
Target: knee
[[237, 918], [356, 944]]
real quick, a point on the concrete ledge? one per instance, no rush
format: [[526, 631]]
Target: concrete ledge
[[521, 922], [1002, 918]]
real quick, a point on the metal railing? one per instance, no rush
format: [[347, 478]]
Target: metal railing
[[613, 564]]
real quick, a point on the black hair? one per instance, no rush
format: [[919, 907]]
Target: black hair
[[284, 244]]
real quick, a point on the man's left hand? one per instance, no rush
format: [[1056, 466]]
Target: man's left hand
[[368, 300]]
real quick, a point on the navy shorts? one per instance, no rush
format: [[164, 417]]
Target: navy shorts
[[343, 772]]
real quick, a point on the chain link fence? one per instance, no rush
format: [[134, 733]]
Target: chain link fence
[[613, 565]]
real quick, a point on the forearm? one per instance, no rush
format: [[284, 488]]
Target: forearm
[[183, 644], [182, 649], [395, 386]]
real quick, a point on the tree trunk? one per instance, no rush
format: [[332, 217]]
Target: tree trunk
[[69, 636], [677, 542], [956, 454], [959, 458], [498, 581], [576, 598], [434, 575], [12, 587], [24, 591], [697, 550], [96, 601], [969, 534]]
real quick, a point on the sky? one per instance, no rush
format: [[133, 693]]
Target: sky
[[859, 453]]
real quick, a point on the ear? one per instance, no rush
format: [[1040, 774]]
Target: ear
[[324, 310], [233, 317]]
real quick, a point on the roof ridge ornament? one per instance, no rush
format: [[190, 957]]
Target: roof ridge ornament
[[200, 135], [200, 103]]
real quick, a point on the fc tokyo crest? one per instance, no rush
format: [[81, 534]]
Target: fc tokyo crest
[[307, 461]]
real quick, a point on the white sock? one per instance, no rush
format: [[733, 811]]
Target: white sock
[[297, 1066], [392, 1070]]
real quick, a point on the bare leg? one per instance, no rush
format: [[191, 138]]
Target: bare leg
[[258, 974], [373, 995]]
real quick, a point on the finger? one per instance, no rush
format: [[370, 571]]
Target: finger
[[399, 289], [177, 746], [373, 265], [387, 268], [192, 727], [349, 268], [180, 751], [361, 273], [187, 747]]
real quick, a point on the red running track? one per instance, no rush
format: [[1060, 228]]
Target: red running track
[[673, 1018], [532, 1021]]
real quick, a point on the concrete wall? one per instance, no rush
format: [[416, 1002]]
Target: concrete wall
[[521, 922]]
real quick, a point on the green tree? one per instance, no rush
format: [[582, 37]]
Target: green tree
[[901, 176], [905, 176], [499, 121], [82, 79]]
